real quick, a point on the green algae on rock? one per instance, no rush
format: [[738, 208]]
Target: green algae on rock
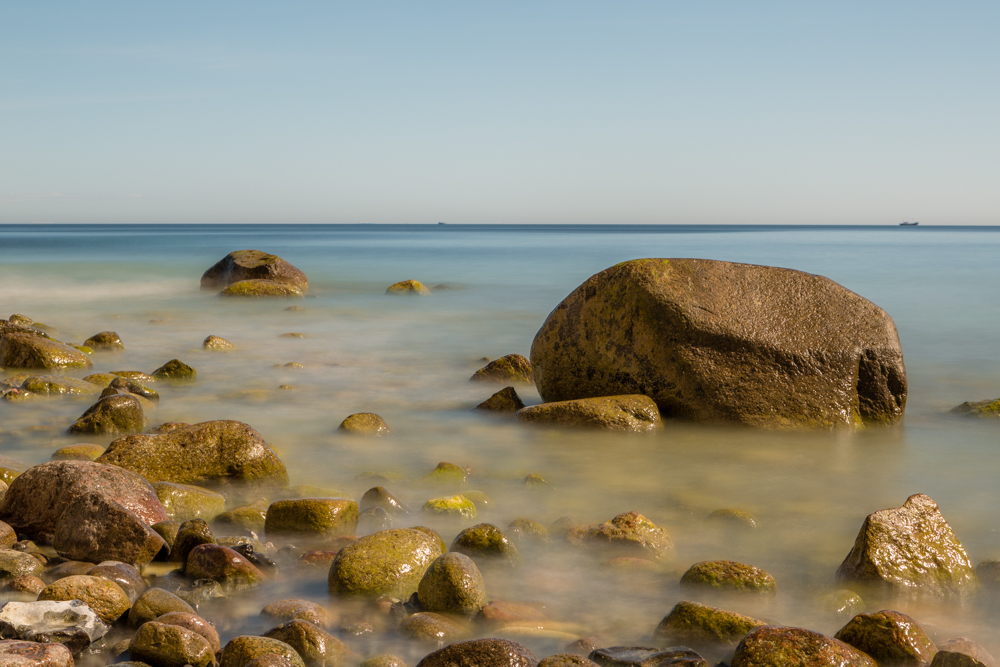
[[364, 423], [910, 550], [383, 660], [247, 517], [107, 341], [489, 652], [446, 475], [486, 542], [135, 376], [702, 627], [389, 562], [408, 288], [242, 650], [988, 409], [167, 645], [841, 602], [779, 646], [890, 637], [304, 610], [453, 584], [216, 344], [105, 597], [529, 529], [22, 350], [175, 370], [316, 646], [729, 576], [633, 413], [630, 534], [214, 453], [53, 385], [454, 507], [28, 654], [241, 265], [510, 368], [328, 517], [184, 501], [725, 342], [261, 288], [117, 414], [190, 534], [504, 401], [223, 565]]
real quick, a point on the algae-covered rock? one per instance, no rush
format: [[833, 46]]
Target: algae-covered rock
[[107, 341], [316, 646], [639, 656], [328, 517], [223, 565], [429, 627], [217, 452], [56, 385], [452, 507], [23, 350], [446, 475], [7, 536], [910, 549], [190, 534], [988, 409], [378, 496], [117, 414], [490, 652], [242, 650], [183, 501], [82, 451], [434, 535], [510, 368], [22, 320], [364, 423], [100, 379], [303, 610], [133, 387], [95, 528], [702, 627], [259, 288], [408, 288], [105, 597], [504, 401], [486, 542], [725, 342], [167, 645], [389, 562], [528, 530], [247, 517], [175, 370], [841, 602], [630, 534], [216, 344], [779, 646], [241, 265], [890, 637], [135, 376], [125, 575], [383, 660], [962, 652], [18, 653], [634, 413], [15, 564], [154, 603], [729, 576], [453, 584]]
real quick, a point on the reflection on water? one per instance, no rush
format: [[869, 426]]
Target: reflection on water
[[409, 360]]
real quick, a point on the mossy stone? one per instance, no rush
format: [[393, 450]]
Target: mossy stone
[[453, 584], [408, 288], [380, 497], [167, 645], [175, 370], [18, 564], [247, 517], [732, 519], [504, 401], [486, 542], [988, 409], [107, 341], [373, 520], [702, 627], [261, 288], [240, 651], [890, 637], [316, 646], [183, 501], [22, 320], [328, 517], [383, 660], [434, 535], [962, 652], [510, 368], [490, 652], [482, 501], [22, 350], [452, 507], [303, 610], [105, 597], [191, 533], [779, 646], [195, 624], [630, 413], [102, 380], [389, 562], [133, 387], [364, 423], [118, 414], [223, 565], [216, 344], [631, 534], [135, 376], [53, 385], [429, 627], [83, 451], [156, 602], [168, 530], [446, 475], [528, 529], [729, 576]]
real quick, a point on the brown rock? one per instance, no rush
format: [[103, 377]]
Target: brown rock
[[504, 401], [7, 536], [567, 660], [434, 628], [166, 645], [890, 637], [778, 646], [481, 653], [631, 534], [106, 598], [242, 265], [240, 651], [222, 564], [26, 583], [15, 653], [962, 652], [317, 647], [287, 610], [194, 623], [106, 340], [510, 368], [116, 414], [123, 574], [95, 528], [154, 603]]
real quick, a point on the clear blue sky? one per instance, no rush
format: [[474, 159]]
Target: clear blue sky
[[518, 112]]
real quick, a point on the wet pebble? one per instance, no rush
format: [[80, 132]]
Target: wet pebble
[[453, 584]]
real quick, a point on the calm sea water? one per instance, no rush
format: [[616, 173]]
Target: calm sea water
[[410, 359]]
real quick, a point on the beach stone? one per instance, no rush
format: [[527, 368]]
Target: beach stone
[[240, 651], [725, 342], [68, 568], [446, 475], [175, 370], [168, 531], [241, 265], [95, 528], [133, 387], [304, 610], [389, 562], [510, 368], [25, 583], [105, 341], [154, 603], [379, 497], [216, 344], [842, 602], [101, 380], [364, 423], [962, 652], [988, 409], [165, 645], [630, 534], [528, 530], [702, 627], [329, 517], [452, 507], [112, 415], [481, 653], [22, 320], [779, 646], [890, 637], [55, 385], [907, 550], [8, 537], [184, 501], [486, 542], [634, 413], [453, 584], [317, 647], [16, 653], [190, 534], [123, 574], [729, 576], [567, 660], [274, 660], [482, 501], [434, 535], [144, 403], [248, 517], [731, 519], [79, 452], [373, 520], [223, 565], [195, 624], [408, 288], [499, 613], [636, 656], [434, 628], [215, 452], [136, 376], [105, 597], [71, 623], [384, 660], [37, 498], [504, 401], [22, 350], [261, 288]]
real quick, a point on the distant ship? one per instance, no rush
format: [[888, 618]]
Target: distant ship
[[908, 224]]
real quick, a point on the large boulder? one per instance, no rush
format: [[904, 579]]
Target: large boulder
[[25, 350], [252, 265], [209, 453], [909, 549], [778, 646], [389, 562], [38, 497], [115, 414], [94, 528], [723, 342]]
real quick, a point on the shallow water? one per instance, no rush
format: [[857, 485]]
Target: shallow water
[[409, 359]]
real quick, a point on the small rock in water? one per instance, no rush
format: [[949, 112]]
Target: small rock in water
[[630, 534], [292, 334], [633, 413], [426, 626], [154, 603], [105, 341], [118, 414], [729, 576], [216, 344], [732, 519], [383, 660], [247, 517], [29, 654], [536, 482], [529, 530], [71, 623], [454, 507], [23, 320], [168, 645], [190, 534], [261, 288], [295, 308], [241, 651], [482, 501], [481, 653], [304, 610], [637, 656], [890, 637], [175, 370], [379, 497], [962, 652], [26, 583], [510, 368], [389, 562], [446, 475], [486, 542], [135, 376], [364, 423], [499, 613], [317, 516], [841, 602], [373, 520], [408, 287], [222, 565], [315, 645], [105, 597], [453, 584], [567, 660], [504, 401], [703, 628], [988, 409], [779, 646], [79, 452]]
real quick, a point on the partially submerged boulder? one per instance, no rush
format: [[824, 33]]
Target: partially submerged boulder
[[209, 453], [509, 368], [729, 576], [485, 542], [175, 370], [364, 423], [962, 652], [909, 550], [635, 413], [489, 652], [329, 517], [95, 528], [217, 344], [105, 341], [504, 401], [890, 637], [630, 534], [184, 501], [116, 414], [640, 656], [261, 288], [170, 645], [389, 562], [724, 342], [243, 265], [453, 584], [105, 597], [779, 646], [408, 287], [702, 627], [25, 350], [988, 409]]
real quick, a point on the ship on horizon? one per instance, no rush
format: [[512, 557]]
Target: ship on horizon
[[908, 224]]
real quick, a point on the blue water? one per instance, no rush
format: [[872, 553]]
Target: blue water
[[410, 359]]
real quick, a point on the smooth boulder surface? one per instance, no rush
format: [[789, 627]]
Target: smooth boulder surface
[[481, 653], [166, 645], [37, 498], [724, 342], [909, 550], [105, 341], [241, 265], [729, 576], [364, 423], [216, 452], [453, 584], [71, 623], [242, 650], [184, 501], [223, 565], [509, 368], [316, 646], [890, 637], [105, 597], [504, 401], [175, 370], [329, 517], [408, 287], [95, 528], [17, 653], [702, 627], [217, 344], [155, 603], [779, 646], [24, 350], [16, 564], [117, 414], [635, 413], [389, 562], [486, 542], [303, 610], [630, 534]]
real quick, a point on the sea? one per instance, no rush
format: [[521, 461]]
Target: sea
[[410, 360]]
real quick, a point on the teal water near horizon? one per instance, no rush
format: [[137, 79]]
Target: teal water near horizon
[[410, 359]]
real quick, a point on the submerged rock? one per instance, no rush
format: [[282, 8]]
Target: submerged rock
[[223, 565], [962, 652], [378, 496], [241, 651], [729, 576], [635, 413], [184, 501], [18, 653], [259, 288], [567, 660], [71, 623], [217, 344], [117, 414], [703, 627], [83, 451], [631, 534], [481, 653], [637, 656], [105, 597], [364, 423], [910, 549], [328, 517], [724, 342], [453, 584], [486, 542], [446, 475], [453, 507], [175, 370], [241, 265], [499, 613], [303, 610], [95, 528], [389, 562], [779, 646], [105, 341], [504, 401], [217, 452], [427, 626], [408, 287], [55, 385], [248, 517], [989, 409], [510, 368], [316, 646], [890, 637], [23, 350], [732, 519]]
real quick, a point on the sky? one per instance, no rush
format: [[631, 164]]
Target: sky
[[505, 112]]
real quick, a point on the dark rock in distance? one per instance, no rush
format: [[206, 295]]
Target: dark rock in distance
[[510, 368], [505, 400], [724, 342], [243, 265]]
